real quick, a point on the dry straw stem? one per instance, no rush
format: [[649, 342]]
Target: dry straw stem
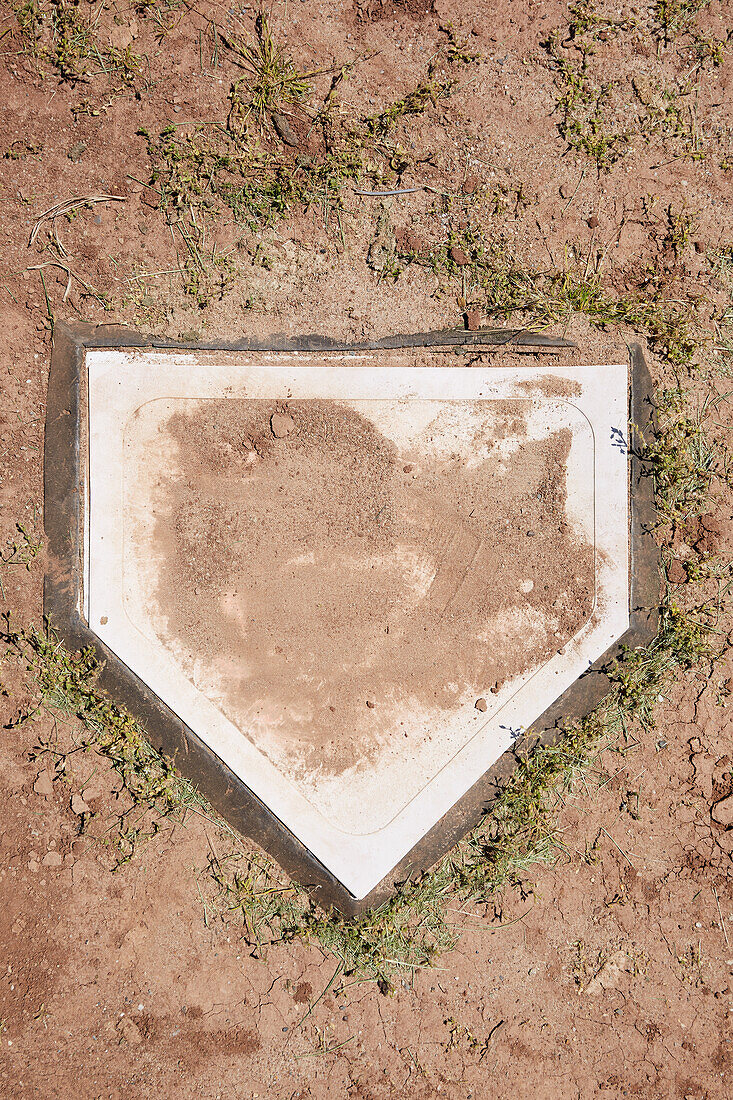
[[66, 207]]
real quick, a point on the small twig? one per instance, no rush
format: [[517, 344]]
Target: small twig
[[69, 276], [323, 993], [66, 207], [143, 184], [382, 194], [206, 914], [48, 303], [575, 192], [722, 918], [623, 853], [493, 1031]]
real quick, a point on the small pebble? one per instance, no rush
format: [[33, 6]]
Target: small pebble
[[593, 222], [370, 704], [481, 705]]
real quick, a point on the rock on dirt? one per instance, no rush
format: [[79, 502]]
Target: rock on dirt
[[676, 572], [481, 705], [53, 859], [284, 130], [129, 1032], [473, 319], [44, 785]]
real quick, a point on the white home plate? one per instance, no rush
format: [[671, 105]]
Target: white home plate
[[358, 581]]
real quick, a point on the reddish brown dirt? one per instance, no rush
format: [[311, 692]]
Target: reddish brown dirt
[[122, 986], [350, 577]]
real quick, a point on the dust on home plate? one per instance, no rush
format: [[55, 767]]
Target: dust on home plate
[[335, 590]]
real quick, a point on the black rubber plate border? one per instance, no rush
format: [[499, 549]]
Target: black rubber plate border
[[63, 517]]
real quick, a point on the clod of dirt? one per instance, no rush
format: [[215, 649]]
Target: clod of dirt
[[725, 841], [714, 534], [473, 319], [676, 573], [53, 859], [722, 811], [704, 765], [471, 185], [282, 425], [481, 705], [407, 241], [77, 151], [593, 222], [610, 973], [371, 704], [129, 1032], [44, 785], [303, 993], [374, 10], [458, 256], [78, 805], [123, 35], [565, 191]]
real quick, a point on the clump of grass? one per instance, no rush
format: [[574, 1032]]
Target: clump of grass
[[675, 16], [272, 83], [495, 280], [56, 33], [427, 93], [238, 165], [585, 103], [21, 548], [681, 458], [597, 116]]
